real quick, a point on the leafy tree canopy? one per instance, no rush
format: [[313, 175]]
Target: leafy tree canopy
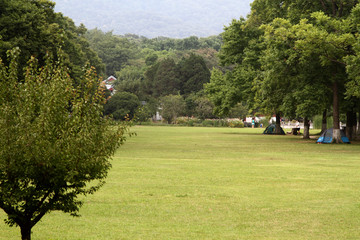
[[35, 28], [54, 140]]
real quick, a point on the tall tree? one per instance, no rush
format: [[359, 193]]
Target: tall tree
[[302, 88], [240, 53], [163, 78], [193, 74], [331, 40]]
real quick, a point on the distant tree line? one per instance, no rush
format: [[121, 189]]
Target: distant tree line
[[148, 70]]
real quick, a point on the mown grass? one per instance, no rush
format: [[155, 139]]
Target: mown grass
[[218, 183]]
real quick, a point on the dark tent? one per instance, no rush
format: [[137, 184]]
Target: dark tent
[[327, 136], [271, 130]]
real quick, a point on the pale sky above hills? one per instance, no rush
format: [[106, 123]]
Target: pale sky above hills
[[152, 18]]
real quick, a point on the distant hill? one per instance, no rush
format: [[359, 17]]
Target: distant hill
[[153, 18]]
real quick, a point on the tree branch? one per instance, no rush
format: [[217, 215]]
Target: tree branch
[[341, 9], [42, 212], [334, 7], [323, 5]]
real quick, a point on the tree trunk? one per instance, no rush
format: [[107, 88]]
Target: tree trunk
[[324, 122], [278, 124], [336, 115], [306, 128], [358, 125], [354, 125], [25, 232], [349, 124]]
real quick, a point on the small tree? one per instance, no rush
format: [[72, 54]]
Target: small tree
[[172, 107], [54, 140], [122, 104]]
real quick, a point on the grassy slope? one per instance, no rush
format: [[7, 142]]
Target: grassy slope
[[218, 183]]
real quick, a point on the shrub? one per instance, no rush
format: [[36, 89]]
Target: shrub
[[122, 104], [236, 124], [190, 123], [207, 123], [172, 106]]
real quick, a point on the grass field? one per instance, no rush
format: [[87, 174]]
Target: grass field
[[217, 183]]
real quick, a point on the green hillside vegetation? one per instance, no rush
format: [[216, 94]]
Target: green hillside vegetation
[[158, 67]]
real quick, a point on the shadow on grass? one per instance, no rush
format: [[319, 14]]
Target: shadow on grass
[[237, 133]]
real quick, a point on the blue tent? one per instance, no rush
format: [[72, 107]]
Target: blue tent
[[327, 136], [271, 129]]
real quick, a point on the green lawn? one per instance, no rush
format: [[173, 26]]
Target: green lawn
[[217, 183]]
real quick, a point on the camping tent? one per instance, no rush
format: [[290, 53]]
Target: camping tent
[[271, 130], [327, 136]]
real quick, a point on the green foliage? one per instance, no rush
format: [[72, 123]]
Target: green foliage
[[54, 140], [143, 113], [166, 77], [122, 105], [130, 79], [151, 59], [264, 12], [239, 111], [292, 64], [114, 51], [223, 92], [172, 107], [236, 38], [240, 52], [236, 124], [203, 108], [36, 29], [193, 74], [196, 122], [317, 122]]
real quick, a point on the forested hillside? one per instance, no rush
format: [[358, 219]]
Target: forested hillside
[[155, 71], [153, 18]]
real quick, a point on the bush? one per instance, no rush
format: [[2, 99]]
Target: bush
[[207, 123], [122, 104], [236, 124], [220, 123], [190, 123], [172, 106]]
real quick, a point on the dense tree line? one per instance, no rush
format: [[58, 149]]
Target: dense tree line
[[292, 58], [153, 68]]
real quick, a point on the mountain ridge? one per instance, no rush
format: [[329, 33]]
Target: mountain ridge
[[153, 18]]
